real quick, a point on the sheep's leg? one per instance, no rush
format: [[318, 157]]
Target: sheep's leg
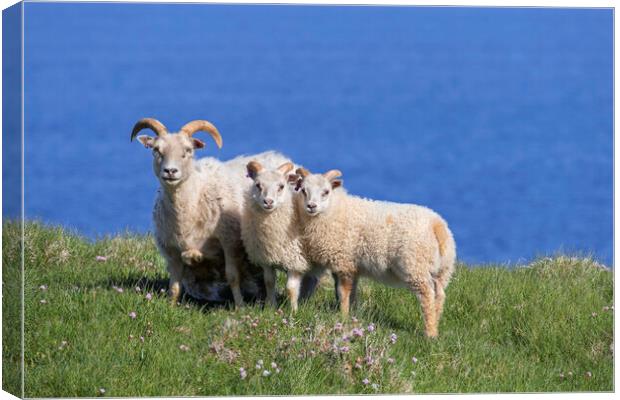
[[440, 297], [293, 283], [233, 267], [336, 287], [425, 292], [344, 288], [269, 276], [308, 285], [353, 295], [175, 269]]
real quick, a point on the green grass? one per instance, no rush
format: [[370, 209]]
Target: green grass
[[503, 330]]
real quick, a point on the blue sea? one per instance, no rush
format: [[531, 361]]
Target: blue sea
[[500, 119]]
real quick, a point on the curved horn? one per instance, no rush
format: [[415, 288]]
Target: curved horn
[[333, 174], [150, 123], [301, 171], [201, 125]]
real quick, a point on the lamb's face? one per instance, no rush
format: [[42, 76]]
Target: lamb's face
[[270, 188], [317, 192], [173, 156]]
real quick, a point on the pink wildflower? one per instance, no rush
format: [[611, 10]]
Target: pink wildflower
[[148, 296], [357, 332], [242, 373], [393, 338], [101, 258], [133, 315], [365, 381]]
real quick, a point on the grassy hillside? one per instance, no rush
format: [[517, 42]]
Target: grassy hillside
[[90, 326]]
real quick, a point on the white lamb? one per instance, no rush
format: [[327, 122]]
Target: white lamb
[[198, 206], [397, 244], [270, 232]]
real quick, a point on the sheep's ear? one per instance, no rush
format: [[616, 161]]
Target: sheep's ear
[[336, 183], [254, 168], [301, 171], [147, 141], [198, 144], [286, 167], [294, 180]]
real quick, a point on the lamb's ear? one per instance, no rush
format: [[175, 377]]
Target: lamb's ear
[[254, 168], [292, 178], [286, 167], [336, 183], [146, 141], [198, 144], [295, 181], [332, 174], [302, 172]]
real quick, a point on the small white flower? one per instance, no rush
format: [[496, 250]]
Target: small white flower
[[393, 338], [43, 287], [266, 372]]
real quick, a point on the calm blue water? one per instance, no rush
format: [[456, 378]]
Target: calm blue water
[[499, 119]]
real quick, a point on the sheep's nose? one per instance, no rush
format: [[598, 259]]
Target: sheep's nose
[[171, 171], [268, 202], [311, 206]]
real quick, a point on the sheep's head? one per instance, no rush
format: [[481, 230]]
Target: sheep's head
[[317, 189], [173, 153], [270, 188]]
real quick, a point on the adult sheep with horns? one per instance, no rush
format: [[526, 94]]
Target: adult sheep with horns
[[197, 213]]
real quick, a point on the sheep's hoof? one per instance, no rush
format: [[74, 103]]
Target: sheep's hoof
[[432, 335], [191, 257]]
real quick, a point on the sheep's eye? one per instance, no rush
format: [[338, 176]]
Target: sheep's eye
[[156, 152], [303, 191], [325, 192], [259, 186], [280, 187]]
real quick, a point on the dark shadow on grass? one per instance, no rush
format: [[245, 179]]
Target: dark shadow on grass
[[160, 286]]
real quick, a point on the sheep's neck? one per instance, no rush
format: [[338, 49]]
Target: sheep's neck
[[179, 195]]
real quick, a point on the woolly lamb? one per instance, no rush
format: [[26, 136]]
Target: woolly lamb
[[270, 232], [397, 244], [198, 206]]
